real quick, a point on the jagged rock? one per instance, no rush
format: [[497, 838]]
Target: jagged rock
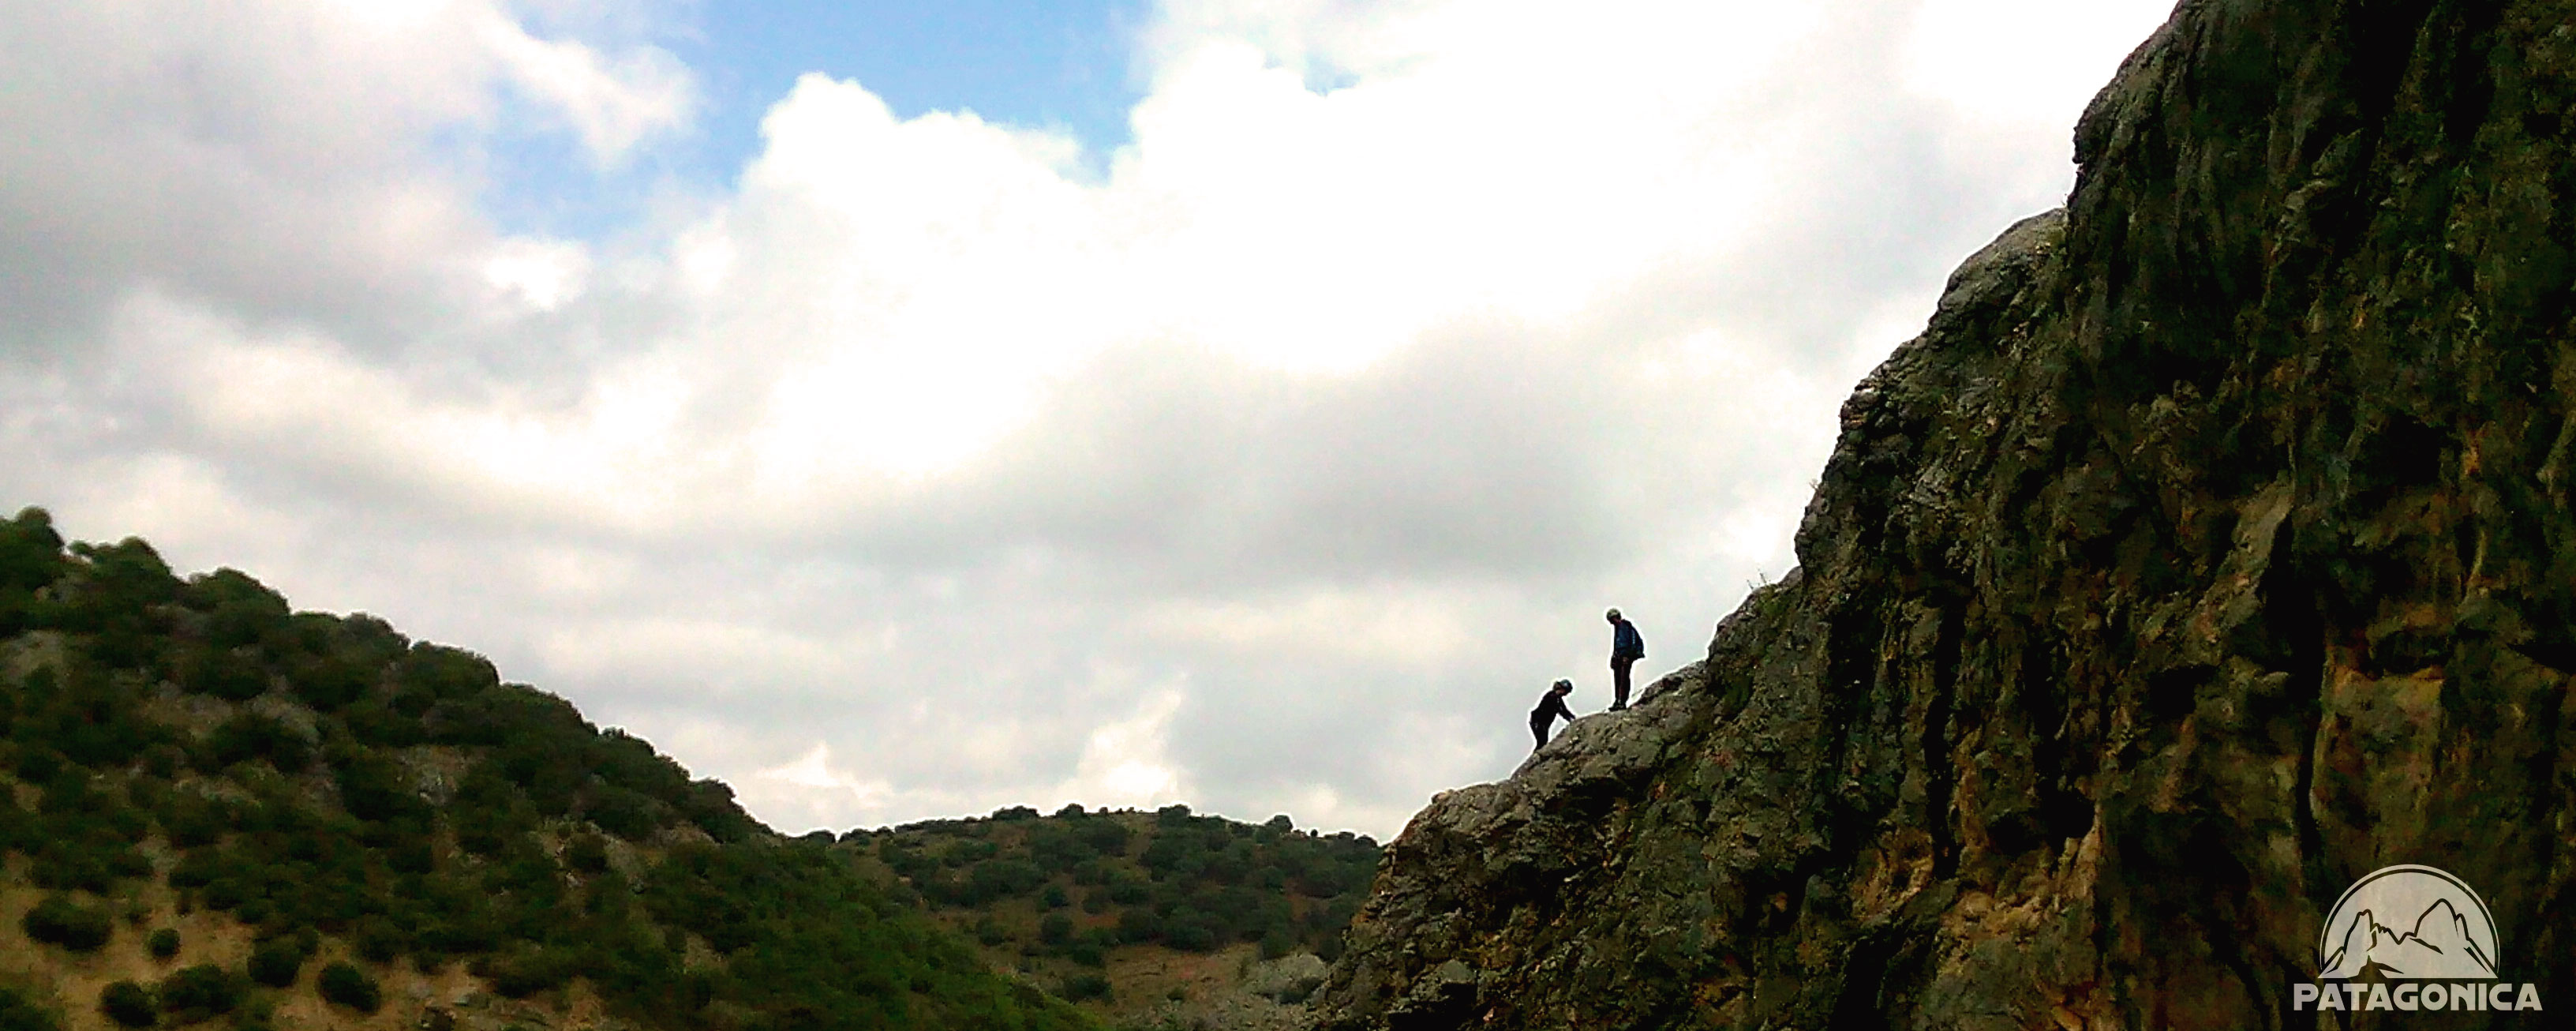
[[1286, 979], [2212, 547]]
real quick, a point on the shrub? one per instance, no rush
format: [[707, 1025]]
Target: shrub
[[624, 813], [373, 788], [248, 736], [587, 853], [525, 973], [327, 683], [345, 985], [164, 943], [18, 1014], [379, 940], [59, 921], [277, 961], [1082, 987], [1108, 836], [201, 991], [1190, 933], [192, 819], [127, 1003], [39, 765], [1002, 878], [223, 674]]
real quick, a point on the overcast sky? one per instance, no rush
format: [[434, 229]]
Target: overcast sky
[[907, 409]]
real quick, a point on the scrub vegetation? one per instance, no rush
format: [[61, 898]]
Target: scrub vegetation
[[1066, 897], [363, 810]]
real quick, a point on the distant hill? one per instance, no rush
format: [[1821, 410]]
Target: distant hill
[[219, 811], [1126, 910]]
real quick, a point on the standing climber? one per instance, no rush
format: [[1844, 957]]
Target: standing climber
[[1550, 706], [1626, 647]]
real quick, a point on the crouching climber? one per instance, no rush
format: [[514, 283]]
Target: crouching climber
[[1550, 706]]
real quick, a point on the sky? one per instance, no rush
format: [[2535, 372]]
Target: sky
[[908, 409]]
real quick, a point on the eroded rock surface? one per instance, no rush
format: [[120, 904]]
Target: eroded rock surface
[[2211, 548]]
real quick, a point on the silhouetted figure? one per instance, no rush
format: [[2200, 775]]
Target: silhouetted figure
[[1550, 706], [1626, 647]]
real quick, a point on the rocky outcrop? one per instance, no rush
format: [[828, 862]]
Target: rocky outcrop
[[2211, 548]]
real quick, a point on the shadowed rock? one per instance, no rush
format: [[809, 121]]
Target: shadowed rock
[[2211, 548]]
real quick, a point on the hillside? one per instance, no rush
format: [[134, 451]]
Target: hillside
[[1126, 911], [221, 811], [2212, 548]]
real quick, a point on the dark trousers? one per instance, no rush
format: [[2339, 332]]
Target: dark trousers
[[1538, 729], [1619, 682]]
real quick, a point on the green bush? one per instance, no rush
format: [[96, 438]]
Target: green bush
[[1084, 987], [525, 973], [373, 788], [199, 867], [223, 674], [379, 941], [1000, 879], [59, 921], [587, 853], [18, 1014], [1277, 942], [327, 684], [164, 943], [192, 818], [199, 992], [345, 985], [90, 859], [277, 961], [128, 1004], [250, 736], [40, 764], [1190, 933]]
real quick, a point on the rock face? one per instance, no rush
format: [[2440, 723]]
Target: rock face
[[2212, 548]]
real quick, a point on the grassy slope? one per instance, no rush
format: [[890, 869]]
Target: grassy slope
[[193, 755], [1140, 906]]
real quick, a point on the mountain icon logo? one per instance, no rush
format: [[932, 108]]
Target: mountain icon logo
[[2412, 922]]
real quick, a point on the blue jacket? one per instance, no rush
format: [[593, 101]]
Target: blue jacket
[[1627, 643]]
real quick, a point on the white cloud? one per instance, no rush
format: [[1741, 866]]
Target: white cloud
[[542, 274], [613, 104], [922, 471], [1123, 763], [2020, 59], [814, 770]]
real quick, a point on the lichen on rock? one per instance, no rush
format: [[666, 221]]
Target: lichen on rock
[[2212, 547]]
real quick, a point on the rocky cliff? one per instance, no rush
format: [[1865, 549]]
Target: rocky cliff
[[2211, 548]]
